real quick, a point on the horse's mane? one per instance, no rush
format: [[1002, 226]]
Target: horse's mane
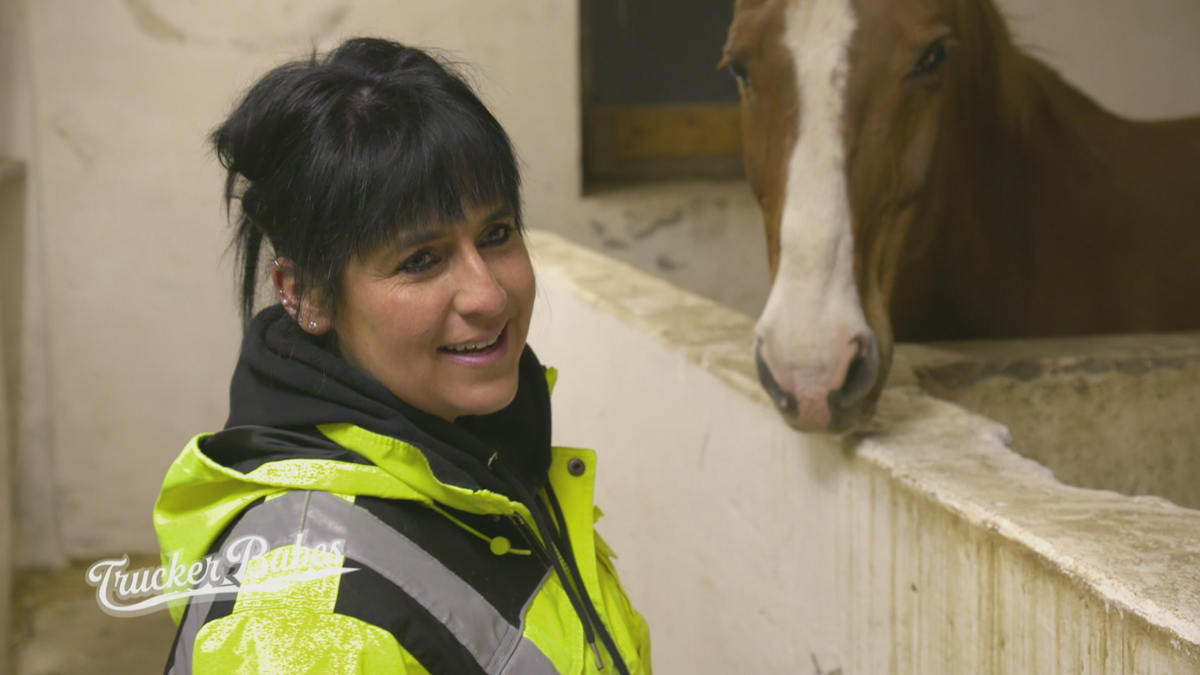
[[997, 69]]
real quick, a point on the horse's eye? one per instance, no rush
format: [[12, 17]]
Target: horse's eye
[[931, 60], [737, 67]]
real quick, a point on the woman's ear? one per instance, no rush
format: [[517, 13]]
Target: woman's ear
[[303, 307]]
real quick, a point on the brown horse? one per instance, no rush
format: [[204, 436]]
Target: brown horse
[[921, 178]]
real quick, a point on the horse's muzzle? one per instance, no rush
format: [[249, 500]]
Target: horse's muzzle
[[840, 408]]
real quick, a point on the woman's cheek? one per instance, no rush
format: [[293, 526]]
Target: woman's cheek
[[526, 283]]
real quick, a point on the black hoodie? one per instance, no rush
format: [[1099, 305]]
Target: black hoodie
[[287, 382]]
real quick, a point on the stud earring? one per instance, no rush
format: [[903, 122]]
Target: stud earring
[[312, 325]]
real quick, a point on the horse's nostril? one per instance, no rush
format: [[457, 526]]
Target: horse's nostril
[[861, 374], [784, 401]]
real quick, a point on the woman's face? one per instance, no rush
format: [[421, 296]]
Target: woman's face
[[441, 316]]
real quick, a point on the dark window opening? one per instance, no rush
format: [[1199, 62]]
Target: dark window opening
[[655, 106]]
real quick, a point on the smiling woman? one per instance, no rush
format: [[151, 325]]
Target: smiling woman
[[389, 427], [439, 318]]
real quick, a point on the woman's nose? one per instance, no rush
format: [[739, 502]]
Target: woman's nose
[[478, 291]]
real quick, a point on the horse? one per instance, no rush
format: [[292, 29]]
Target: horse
[[922, 178]]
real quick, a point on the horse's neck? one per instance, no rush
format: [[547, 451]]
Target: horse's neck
[[1021, 185], [980, 221], [1038, 145]]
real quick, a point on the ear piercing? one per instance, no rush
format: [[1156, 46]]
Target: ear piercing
[[283, 300]]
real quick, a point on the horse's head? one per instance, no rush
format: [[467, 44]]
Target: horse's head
[[840, 107]]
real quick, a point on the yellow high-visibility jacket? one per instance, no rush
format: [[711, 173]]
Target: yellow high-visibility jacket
[[353, 552]]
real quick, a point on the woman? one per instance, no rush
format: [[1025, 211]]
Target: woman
[[388, 444]]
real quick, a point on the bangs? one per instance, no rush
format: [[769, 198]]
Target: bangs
[[333, 157], [414, 164]]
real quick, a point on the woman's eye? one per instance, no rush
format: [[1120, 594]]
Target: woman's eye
[[498, 235], [417, 263]]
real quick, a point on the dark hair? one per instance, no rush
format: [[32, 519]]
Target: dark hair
[[330, 156]]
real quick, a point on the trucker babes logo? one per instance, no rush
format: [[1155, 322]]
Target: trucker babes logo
[[244, 564]]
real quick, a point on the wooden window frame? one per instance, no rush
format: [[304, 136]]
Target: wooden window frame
[[654, 142]]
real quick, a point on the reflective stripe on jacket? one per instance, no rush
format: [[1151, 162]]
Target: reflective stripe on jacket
[[384, 568]]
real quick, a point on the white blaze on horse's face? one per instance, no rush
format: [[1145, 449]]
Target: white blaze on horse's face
[[814, 341]]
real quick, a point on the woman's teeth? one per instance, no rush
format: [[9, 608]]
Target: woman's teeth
[[475, 347]]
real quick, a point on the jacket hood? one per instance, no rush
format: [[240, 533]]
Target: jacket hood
[[287, 379], [303, 418], [291, 396]]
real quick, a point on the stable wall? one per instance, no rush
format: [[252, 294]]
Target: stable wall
[[1139, 58], [12, 193], [926, 546], [138, 291], [1103, 412], [34, 489], [127, 329]]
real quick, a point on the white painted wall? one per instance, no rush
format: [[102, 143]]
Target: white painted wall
[[35, 492], [12, 183], [130, 332], [6, 519], [926, 547], [138, 295], [1139, 58]]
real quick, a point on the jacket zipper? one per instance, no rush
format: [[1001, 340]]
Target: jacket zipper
[[544, 555], [535, 544]]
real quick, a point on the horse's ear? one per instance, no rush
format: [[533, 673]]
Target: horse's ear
[[746, 5], [747, 16]]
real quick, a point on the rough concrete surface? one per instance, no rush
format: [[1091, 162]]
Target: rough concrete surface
[[925, 545], [60, 630], [11, 174], [703, 236], [1107, 413]]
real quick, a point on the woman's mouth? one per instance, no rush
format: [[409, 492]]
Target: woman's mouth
[[482, 351]]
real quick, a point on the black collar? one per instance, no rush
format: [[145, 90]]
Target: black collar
[[289, 380]]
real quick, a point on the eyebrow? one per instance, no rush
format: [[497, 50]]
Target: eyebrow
[[421, 235], [427, 233], [499, 214]]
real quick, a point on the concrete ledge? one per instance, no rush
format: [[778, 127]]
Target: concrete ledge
[[926, 545], [1115, 413]]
